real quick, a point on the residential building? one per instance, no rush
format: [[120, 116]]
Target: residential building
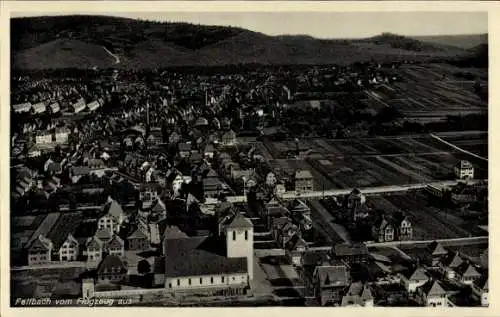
[[38, 108], [294, 248], [383, 230], [112, 269], [413, 279], [94, 249], [481, 290], [404, 229], [62, 135], [139, 240], [436, 252], [229, 138], [449, 265], [113, 216], [467, 273], [331, 282], [22, 107], [116, 246], [40, 251], [350, 252], [43, 137], [358, 294], [69, 250], [464, 170], [79, 106], [304, 181], [432, 294]]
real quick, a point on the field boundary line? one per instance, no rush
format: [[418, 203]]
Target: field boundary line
[[458, 148]]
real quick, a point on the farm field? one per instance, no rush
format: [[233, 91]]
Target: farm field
[[428, 221], [431, 92], [370, 162]]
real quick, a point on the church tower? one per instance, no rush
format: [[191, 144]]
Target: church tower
[[239, 240]]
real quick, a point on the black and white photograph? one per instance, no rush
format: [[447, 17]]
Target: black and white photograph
[[248, 159]]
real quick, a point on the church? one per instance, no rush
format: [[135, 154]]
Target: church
[[219, 264]]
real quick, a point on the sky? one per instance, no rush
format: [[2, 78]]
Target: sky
[[329, 24]]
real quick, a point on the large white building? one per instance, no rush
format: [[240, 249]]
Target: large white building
[[217, 265], [464, 170]]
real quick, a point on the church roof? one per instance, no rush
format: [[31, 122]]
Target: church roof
[[239, 221]]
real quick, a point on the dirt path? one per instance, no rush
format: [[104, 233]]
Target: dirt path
[[117, 59]]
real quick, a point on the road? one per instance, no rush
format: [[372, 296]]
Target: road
[[447, 242], [457, 148], [117, 59], [365, 190]]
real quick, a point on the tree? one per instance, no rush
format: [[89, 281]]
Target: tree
[[143, 267]]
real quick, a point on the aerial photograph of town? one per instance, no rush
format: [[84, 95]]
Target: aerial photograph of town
[[173, 159]]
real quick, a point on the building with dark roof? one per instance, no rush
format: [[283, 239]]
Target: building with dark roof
[[432, 294], [111, 270], [211, 264], [331, 282]]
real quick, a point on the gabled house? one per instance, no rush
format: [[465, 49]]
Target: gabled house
[[449, 265], [39, 251], [62, 135], [350, 252], [115, 246], [436, 252], [331, 281], [209, 151], [43, 137], [93, 249], [229, 138], [111, 270], [414, 279], [69, 250], [294, 248], [432, 294], [467, 273], [358, 294], [480, 289], [383, 230], [404, 229], [113, 216], [139, 240]]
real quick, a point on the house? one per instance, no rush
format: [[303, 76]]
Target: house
[[43, 137], [39, 251], [93, 249], [34, 151], [55, 107], [229, 138], [436, 252], [412, 279], [77, 172], [97, 167], [115, 246], [404, 229], [464, 170], [38, 108], [113, 216], [480, 289], [294, 248], [358, 294], [383, 230], [93, 106], [62, 135], [466, 273], [432, 294], [209, 152], [22, 107], [350, 252], [139, 240], [331, 281], [449, 265], [111, 270], [304, 181], [79, 106], [69, 250], [184, 149]]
